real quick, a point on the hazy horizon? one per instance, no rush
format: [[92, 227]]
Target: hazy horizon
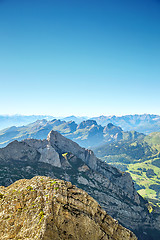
[[78, 116]]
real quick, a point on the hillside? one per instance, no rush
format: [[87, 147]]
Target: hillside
[[45, 208], [153, 139], [140, 158], [59, 157], [88, 133]]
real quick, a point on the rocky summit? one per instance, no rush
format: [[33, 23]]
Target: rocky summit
[[47, 209], [61, 158]]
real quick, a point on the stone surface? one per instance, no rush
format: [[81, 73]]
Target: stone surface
[[47, 209], [61, 145]]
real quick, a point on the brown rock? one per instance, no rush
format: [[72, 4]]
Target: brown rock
[[47, 209]]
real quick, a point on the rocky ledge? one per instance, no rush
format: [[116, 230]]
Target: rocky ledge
[[47, 209]]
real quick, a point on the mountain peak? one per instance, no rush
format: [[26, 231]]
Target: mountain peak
[[87, 123], [65, 145], [110, 125]]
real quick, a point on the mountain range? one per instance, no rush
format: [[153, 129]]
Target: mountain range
[[128, 151], [87, 133], [20, 120], [59, 157], [145, 123]]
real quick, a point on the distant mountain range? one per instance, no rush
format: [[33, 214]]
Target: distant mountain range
[[88, 133], [145, 123], [75, 119], [20, 120]]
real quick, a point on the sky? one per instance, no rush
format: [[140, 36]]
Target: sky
[[83, 57]]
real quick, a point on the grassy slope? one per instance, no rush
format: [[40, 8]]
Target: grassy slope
[[141, 159]]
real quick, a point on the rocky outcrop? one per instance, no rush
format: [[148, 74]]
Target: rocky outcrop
[[47, 209], [47, 152], [59, 142], [19, 151], [62, 158]]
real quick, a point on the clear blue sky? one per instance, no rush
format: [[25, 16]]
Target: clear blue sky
[[79, 57]]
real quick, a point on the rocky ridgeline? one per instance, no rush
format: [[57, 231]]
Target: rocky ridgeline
[[88, 133], [47, 209], [62, 158]]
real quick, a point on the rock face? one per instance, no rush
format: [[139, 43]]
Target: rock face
[[47, 209], [58, 142], [62, 158]]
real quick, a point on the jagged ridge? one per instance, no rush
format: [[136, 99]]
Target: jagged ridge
[[87, 133]]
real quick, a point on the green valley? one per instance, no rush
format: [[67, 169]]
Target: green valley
[[141, 158]]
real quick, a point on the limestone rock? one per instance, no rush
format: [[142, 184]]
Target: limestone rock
[[48, 153], [19, 151], [60, 144], [47, 209]]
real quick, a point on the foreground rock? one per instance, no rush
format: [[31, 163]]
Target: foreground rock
[[47, 209]]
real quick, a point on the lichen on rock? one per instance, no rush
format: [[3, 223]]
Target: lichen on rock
[[47, 209]]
